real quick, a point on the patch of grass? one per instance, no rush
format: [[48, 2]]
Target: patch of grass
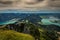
[[12, 35]]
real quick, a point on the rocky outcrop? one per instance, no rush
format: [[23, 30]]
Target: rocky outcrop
[[18, 27]]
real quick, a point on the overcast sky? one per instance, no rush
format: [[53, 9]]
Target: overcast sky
[[43, 4]]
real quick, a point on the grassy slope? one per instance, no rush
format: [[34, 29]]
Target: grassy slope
[[12, 35], [45, 36]]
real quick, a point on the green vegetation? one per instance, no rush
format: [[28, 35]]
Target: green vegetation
[[42, 34], [36, 32], [48, 35], [12, 35]]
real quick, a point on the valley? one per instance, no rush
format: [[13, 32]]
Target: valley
[[30, 24]]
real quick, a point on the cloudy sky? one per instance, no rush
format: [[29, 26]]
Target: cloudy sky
[[33, 4]]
